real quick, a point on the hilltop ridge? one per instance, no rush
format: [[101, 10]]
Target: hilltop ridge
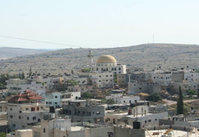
[[146, 56]]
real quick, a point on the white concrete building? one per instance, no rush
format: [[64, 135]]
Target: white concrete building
[[21, 133], [147, 120], [105, 71], [162, 78], [120, 99], [105, 79], [109, 63], [66, 97], [53, 99], [21, 116], [17, 85], [58, 99], [191, 76]]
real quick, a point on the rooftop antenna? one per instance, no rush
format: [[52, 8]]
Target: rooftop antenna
[[153, 38]]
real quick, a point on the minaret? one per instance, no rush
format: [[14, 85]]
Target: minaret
[[90, 56]]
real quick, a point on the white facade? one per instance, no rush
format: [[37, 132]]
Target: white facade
[[162, 78], [57, 99], [148, 120], [120, 99], [128, 99], [105, 71], [53, 99], [191, 76], [105, 79], [66, 97], [21, 115], [110, 67], [19, 86]]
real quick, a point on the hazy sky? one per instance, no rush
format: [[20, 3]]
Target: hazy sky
[[98, 23]]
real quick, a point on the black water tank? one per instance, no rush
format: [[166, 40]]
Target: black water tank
[[136, 125], [52, 109]]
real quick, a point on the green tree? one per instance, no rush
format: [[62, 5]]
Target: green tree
[[180, 104], [86, 70], [87, 95], [2, 134], [3, 79], [155, 97], [191, 92], [71, 82]]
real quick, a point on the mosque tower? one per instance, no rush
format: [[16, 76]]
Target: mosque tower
[[90, 56]]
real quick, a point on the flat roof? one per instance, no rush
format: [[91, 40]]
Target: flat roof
[[176, 133], [76, 128], [3, 122]]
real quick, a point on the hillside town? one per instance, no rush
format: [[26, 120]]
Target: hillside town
[[103, 98]]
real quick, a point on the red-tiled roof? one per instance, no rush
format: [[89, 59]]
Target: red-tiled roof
[[26, 96], [22, 99]]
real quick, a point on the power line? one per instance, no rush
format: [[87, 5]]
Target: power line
[[38, 41]]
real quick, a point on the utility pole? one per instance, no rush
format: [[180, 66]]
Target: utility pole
[[153, 38]]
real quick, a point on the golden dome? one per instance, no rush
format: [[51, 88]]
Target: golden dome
[[106, 59]]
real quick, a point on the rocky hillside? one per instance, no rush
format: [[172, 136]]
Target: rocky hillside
[[8, 52], [146, 56]]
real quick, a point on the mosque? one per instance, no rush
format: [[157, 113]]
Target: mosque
[[105, 71]]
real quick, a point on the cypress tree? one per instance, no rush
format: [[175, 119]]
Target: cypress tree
[[180, 104]]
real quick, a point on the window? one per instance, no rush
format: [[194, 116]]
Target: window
[[27, 118], [33, 118], [44, 130], [27, 108], [32, 109], [19, 117], [11, 116], [20, 111], [10, 109], [149, 120], [55, 96]]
